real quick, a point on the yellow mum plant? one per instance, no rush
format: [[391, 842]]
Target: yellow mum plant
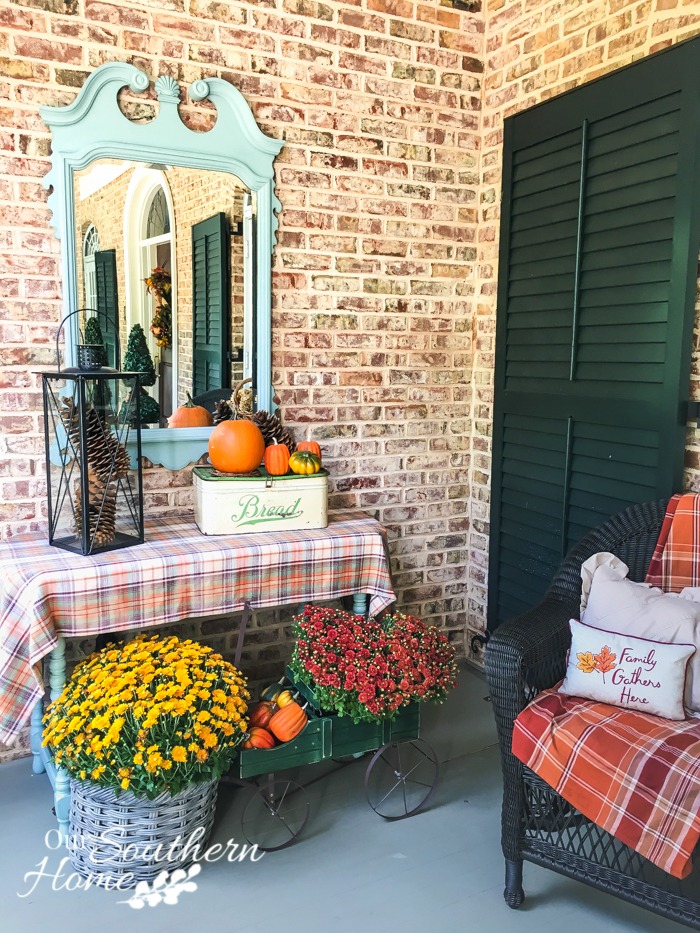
[[156, 714]]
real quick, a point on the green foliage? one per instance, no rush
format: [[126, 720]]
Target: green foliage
[[149, 409], [137, 358], [93, 336]]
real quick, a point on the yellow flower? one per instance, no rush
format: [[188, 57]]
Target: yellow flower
[[125, 783], [179, 753], [97, 772], [201, 754], [138, 758]]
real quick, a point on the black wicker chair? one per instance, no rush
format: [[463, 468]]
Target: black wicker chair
[[527, 655]]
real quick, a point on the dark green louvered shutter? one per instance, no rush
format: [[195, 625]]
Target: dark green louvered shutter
[[597, 272], [210, 288], [107, 301]]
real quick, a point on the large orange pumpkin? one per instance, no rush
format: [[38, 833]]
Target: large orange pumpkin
[[190, 415], [236, 446]]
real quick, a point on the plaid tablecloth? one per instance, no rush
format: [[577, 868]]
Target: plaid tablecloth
[[635, 775], [178, 573]]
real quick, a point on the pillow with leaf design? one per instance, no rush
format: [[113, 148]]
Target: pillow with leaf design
[[633, 673]]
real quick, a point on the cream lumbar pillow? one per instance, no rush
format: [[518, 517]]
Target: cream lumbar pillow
[[619, 605], [634, 673]]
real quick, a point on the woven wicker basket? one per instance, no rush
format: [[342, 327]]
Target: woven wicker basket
[[130, 839]]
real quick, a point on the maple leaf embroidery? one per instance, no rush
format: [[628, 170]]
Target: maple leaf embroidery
[[605, 661], [586, 662]]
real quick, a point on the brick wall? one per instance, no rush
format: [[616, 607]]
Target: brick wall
[[536, 49], [378, 104]]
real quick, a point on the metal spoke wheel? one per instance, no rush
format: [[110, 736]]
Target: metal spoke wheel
[[275, 815], [401, 778]]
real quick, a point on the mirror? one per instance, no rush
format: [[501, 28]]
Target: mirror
[[163, 247], [108, 251]]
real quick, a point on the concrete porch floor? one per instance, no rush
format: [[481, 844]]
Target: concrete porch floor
[[441, 870]]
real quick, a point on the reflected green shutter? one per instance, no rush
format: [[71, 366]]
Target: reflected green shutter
[[210, 298], [598, 266], [107, 301]]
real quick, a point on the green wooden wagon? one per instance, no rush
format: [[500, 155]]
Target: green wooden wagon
[[400, 778]]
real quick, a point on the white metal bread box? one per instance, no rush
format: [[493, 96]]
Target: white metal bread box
[[225, 505]]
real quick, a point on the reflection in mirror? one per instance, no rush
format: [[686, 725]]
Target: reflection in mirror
[[162, 247]]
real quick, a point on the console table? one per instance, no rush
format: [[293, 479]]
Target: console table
[[48, 595]]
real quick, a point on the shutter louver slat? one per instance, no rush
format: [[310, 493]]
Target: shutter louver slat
[[211, 305]]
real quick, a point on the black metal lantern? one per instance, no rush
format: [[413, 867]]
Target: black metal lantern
[[93, 454]]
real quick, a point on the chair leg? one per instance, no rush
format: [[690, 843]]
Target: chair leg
[[513, 893]]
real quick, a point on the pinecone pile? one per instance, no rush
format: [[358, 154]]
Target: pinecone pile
[[273, 430], [107, 461]]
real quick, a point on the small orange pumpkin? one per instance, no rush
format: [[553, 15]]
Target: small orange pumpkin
[[236, 446], [261, 714], [288, 722], [276, 459], [311, 446], [259, 738], [190, 415]]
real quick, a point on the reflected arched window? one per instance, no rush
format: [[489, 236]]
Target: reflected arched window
[[158, 221], [91, 245]]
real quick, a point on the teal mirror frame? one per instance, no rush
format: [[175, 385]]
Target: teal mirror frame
[[93, 127]]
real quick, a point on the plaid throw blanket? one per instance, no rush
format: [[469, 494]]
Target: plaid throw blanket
[[675, 563], [637, 776]]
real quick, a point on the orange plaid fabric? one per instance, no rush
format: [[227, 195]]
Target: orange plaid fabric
[[675, 562], [178, 573], [635, 775]]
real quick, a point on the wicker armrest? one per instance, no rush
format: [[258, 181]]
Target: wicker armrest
[[523, 656], [528, 654]]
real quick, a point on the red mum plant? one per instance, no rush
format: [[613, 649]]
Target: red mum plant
[[422, 656], [367, 670]]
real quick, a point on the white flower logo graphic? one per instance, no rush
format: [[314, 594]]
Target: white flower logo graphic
[[167, 888]]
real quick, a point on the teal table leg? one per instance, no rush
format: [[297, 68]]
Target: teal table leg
[[36, 729], [359, 604], [61, 780]]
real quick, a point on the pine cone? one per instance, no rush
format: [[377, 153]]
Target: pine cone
[[105, 454], [102, 508], [273, 430], [222, 411], [107, 460]]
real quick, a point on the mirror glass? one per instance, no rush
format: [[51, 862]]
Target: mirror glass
[[162, 246]]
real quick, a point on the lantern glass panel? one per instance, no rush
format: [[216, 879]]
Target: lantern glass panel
[[95, 498]]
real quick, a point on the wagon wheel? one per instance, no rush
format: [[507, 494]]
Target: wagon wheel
[[401, 778], [275, 815]]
